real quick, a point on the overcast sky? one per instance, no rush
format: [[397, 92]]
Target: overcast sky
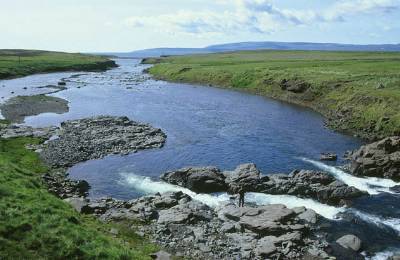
[[126, 25]]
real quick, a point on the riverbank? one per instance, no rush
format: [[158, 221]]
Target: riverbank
[[17, 108], [357, 92], [18, 63], [207, 224], [36, 224]]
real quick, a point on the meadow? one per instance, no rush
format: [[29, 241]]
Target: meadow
[[17, 63]]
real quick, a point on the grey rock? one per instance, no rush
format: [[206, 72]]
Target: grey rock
[[93, 138], [79, 204], [202, 180], [310, 184], [265, 247], [379, 159], [161, 255], [309, 216], [350, 242], [245, 176], [228, 227]]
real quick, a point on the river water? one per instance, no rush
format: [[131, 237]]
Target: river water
[[211, 126]]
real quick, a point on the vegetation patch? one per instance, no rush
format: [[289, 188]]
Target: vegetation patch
[[17, 63], [36, 224]]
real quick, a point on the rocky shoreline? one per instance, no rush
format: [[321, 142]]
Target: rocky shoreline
[[378, 159], [316, 185], [182, 225], [94, 138], [17, 108]]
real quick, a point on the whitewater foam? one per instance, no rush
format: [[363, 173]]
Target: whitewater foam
[[393, 223], [384, 255], [326, 211], [371, 185], [149, 186]]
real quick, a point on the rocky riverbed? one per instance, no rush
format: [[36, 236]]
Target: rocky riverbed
[[93, 138], [317, 185], [177, 221]]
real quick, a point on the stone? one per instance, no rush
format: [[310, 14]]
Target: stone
[[294, 86], [201, 179], [317, 185], [265, 247], [228, 228], [161, 255], [80, 205], [245, 176], [378, 159], [350, 242], [268, 221], [93, 138], [173, 216], [309, 216], [328, 157]]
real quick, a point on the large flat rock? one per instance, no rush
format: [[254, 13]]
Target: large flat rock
[[93, 138]]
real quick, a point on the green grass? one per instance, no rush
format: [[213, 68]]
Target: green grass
[[37, 225], [17, 63], [340, 81]]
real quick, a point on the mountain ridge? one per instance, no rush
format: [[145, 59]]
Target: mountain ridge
[[264, 45]]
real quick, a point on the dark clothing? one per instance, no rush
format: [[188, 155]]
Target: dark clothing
[[241, 198]]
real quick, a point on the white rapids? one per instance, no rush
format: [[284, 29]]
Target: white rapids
[[149, 186], [371, 185]]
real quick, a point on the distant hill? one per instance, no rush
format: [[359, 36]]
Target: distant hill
[[157, 52], [303, 46]]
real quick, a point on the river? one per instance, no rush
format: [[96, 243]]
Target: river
[[211, 126]]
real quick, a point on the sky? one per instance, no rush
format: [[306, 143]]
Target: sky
[[126, 25]]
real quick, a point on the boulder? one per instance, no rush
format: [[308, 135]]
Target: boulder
[[265, 247], [317, 185], [161, 255], [188, 213], [309, 216], [294, 86], [246, 176], [269, 219], [378, 159], [80, 204], [328, 157], [201, 180], [350, 242]]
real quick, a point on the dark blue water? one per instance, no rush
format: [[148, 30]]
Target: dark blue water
[[211, 126], [204, 125]]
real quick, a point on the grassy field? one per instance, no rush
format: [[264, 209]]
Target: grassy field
[[17, 63], [358, 92], [36, 225]]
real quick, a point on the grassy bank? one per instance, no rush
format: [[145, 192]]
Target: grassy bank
[[36, 225], [358, 92], [17, 63]]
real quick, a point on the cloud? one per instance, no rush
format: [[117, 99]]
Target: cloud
[[344, 9], [259, 16]]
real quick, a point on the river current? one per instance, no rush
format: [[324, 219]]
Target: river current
[[211, 126]]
